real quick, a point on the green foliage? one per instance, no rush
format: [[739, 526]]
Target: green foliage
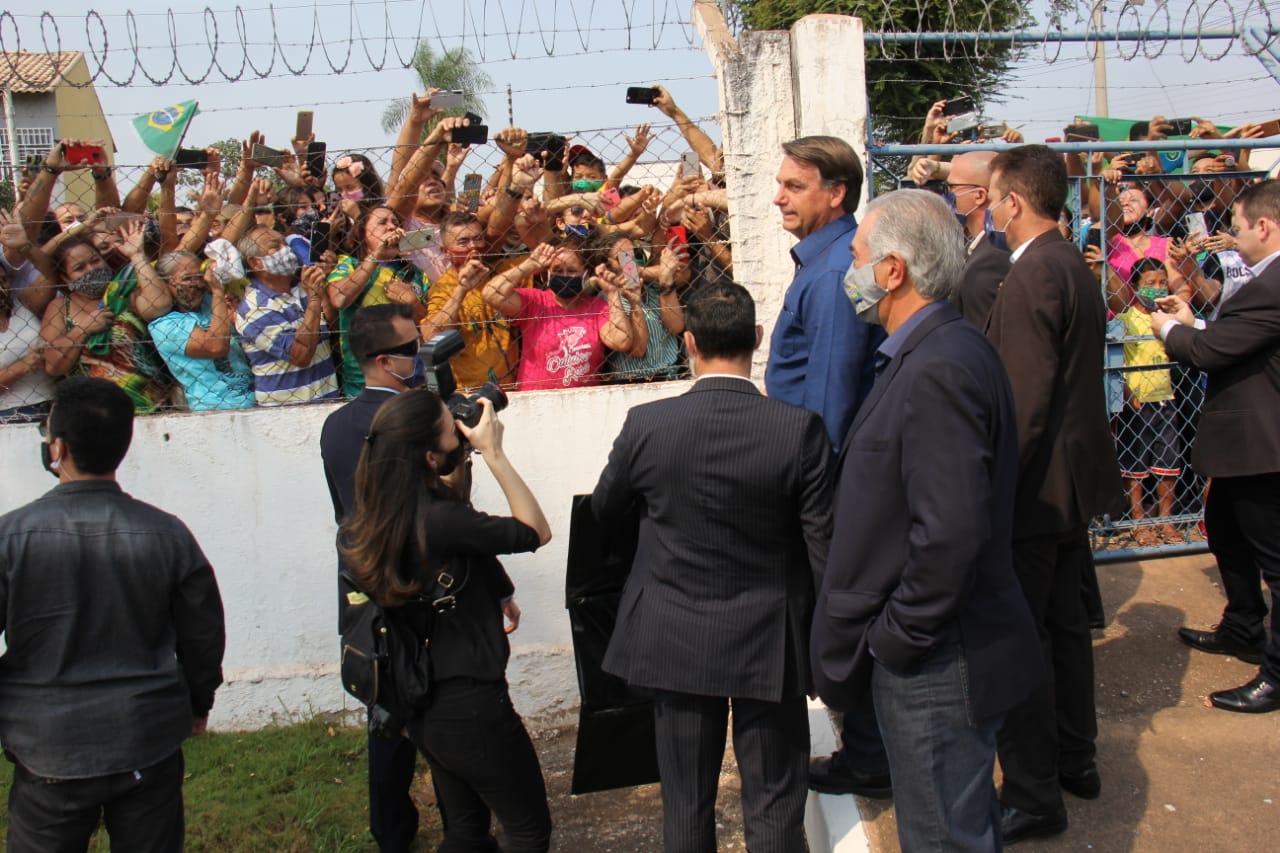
[[453, 69], [294, 788], [904, 82]]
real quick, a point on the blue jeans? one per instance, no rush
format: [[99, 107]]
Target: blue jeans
[[940, 758]]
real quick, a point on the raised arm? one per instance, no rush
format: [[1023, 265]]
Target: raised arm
[[636, 146], [500, 291], [698, 140], [626, 330]]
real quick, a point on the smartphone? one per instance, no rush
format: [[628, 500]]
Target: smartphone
[[993, 131], [1270, 128], [630, 271], [690, 165], [1077, 132], [302, 132], [958, 106], [90, 154], [1132, 158], [472, 134], [316, 153], [641, 94], [1181, 126], [610, 198], [549, 144], [679, 234], [473, 118], [319, 240], [471, 190], [448, 100], [1093, 237], [1195, 223], [267, 156], [191, 158], [423, 238], [116, 221]]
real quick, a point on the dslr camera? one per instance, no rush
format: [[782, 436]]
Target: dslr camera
[[435, 355]]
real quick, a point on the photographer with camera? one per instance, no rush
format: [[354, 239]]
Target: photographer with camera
[[411, 536]]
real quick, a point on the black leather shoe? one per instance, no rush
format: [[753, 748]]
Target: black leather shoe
[[1086, 784], [1257, 697], [1216, 643], [828, 775], [1017, 825]]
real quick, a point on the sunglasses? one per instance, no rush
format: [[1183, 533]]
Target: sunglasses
[[408, 349], [578, 210]]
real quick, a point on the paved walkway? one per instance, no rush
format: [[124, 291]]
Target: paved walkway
[[1176, 775]]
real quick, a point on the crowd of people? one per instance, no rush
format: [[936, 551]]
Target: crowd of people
[[556, 271], [1148, 229]]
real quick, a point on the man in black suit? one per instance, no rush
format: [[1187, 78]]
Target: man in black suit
[[385, 341], [717, 608], [1048, 324], [987, 264], [919, 604], [1238, 446]]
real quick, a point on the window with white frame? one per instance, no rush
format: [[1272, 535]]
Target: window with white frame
[[32, 141]]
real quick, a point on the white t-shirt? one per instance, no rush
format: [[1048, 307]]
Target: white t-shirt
[[23, 333]]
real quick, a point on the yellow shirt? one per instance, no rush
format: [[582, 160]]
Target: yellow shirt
[[491, 352], [1146, 386]]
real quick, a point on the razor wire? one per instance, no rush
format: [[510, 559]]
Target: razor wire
[[276, 40]]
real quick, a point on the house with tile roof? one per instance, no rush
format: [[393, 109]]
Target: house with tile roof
[[47, 97]]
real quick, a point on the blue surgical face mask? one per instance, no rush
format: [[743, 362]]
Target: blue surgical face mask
[[860, 285], [577, 229], [997, 238], [582, 185], [416, 377], [950, 198], [566, 286]]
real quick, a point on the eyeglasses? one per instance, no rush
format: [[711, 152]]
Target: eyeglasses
[[408, 349], [954, 187], [578, 210]]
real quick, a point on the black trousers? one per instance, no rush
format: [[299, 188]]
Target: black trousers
[[393, 818], [1243, 520], [483, 765], [1055, 729], [142, 810], [771, 743]]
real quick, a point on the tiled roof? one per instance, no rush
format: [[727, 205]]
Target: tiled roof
[[30, 73]]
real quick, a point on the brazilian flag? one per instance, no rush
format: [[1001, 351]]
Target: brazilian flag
[[163, 129]]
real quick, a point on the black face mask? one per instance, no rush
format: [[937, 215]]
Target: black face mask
[[46, 459], [451, 460]]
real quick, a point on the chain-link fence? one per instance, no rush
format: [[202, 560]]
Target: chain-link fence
[[637, 217], [1147, 233]]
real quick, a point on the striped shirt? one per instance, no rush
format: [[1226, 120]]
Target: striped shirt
[[267, 323]]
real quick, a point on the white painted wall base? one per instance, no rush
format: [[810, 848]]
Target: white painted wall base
[[250, 486]]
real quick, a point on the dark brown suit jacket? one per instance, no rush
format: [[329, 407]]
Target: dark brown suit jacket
[[1239, 432], [1048, 323], [985, 268]]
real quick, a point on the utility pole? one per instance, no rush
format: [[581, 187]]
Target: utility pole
[[511, 110], [1100, 65]]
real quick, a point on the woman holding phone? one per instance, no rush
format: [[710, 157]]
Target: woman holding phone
[[411, 534]]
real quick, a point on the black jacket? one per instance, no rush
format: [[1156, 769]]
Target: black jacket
[[114, 629]]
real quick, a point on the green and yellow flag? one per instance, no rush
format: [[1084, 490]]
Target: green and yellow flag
[[162, 130]]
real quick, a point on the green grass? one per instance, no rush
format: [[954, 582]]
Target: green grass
[[301, 787]]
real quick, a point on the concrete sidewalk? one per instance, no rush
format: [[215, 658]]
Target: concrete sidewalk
[[1176, 775]]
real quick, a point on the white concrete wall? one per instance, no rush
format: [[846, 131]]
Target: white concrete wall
[[250, 486]]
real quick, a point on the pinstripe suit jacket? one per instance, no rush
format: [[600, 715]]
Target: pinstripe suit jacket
[[732, 544]]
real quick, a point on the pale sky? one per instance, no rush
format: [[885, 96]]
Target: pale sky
[[582, 85]]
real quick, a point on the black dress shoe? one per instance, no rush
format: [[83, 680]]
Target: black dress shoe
[[1216, 643], [1017, 825], [1257, 697], [828, 775], [1085, 784]]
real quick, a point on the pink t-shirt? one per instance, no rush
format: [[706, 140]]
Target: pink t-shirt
[[1122, 257], [560, 348]]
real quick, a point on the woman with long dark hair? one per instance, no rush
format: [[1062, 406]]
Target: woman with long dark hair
[[412, 539]]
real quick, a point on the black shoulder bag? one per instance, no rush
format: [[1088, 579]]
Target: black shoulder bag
[[385, 663]]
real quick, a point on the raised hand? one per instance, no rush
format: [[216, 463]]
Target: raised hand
[[640, 142]]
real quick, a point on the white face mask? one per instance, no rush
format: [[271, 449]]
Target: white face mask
[[860, 285], [283, 262]]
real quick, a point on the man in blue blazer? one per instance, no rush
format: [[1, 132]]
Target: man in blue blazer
[[919, 603], [716, 611]]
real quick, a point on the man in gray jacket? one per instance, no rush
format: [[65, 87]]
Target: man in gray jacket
[[114, 628]]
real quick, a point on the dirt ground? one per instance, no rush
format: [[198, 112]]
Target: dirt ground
[[1177, 775]]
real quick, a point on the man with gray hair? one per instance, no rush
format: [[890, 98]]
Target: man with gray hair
[[919, 603]]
